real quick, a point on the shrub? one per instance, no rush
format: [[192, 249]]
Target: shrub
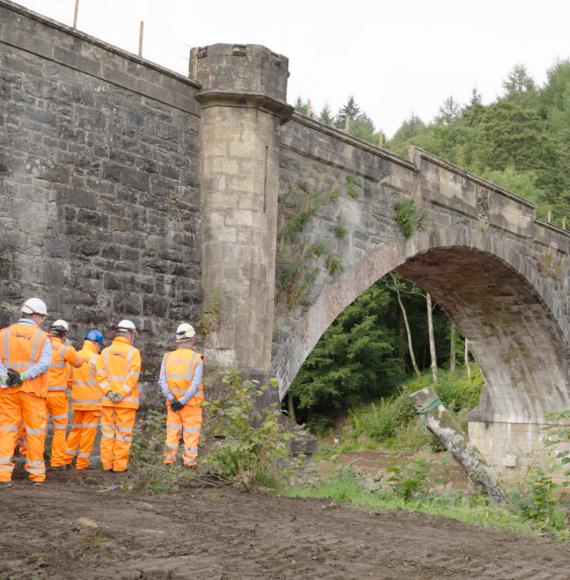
[[409, 482], [254, 449], [539, 504]]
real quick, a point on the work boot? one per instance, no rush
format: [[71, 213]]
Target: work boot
[[37, 484], [5, 484]]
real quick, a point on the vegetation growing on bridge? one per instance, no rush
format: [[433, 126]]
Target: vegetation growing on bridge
[[520, 141], [409, 217], [301, 259]]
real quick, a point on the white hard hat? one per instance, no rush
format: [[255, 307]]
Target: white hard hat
[[60, 324], [126, 325], [34, 306], [185, 331]]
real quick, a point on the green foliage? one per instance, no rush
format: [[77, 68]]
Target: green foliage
[[146, 470], [297, 271], [393, 420], [297, 222], [345, 485], [558, 438], [211, 317], [521, 141], [377, 421], [254, 448], [339, 228], [409, 217], [539, 504], [354, 186], [326, 115], [409, 482], [334, 265], [358, 123], [357, 358], [318, 249]]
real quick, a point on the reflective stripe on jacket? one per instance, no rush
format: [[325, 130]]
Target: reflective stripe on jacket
[[180, 366], [122, 367], [20, 348], [63, 357], [86, 393]]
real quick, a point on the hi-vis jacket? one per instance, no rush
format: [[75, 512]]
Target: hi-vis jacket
[[63, 358], [86, 392], [181, 377], [22, 345], [122, 367]]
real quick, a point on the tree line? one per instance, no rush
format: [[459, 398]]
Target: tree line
[[520, 141]]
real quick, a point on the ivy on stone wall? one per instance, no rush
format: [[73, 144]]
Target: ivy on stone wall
[[302, 261]]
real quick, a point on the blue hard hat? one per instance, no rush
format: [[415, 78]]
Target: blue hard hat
[[95, 336]]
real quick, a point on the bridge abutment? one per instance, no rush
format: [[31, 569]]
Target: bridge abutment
[[243, 106]]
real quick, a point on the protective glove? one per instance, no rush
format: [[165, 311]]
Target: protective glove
[[15, 378], [114, 397], [176, 405], [4, 382]]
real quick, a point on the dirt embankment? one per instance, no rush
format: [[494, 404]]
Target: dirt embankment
[[93, 530]]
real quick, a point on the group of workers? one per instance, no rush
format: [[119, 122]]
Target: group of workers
[[40, 372]]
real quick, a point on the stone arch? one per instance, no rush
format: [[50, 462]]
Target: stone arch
[[498, 298]]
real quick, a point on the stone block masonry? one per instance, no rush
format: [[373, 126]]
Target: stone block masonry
[[99, 183], [129, 191]]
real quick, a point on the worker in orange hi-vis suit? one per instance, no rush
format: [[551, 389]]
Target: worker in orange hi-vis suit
[[64, 357], [86, 400], [25, 356], [181, 383], [122, 366]]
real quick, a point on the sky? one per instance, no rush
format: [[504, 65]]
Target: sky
[[396, 58]]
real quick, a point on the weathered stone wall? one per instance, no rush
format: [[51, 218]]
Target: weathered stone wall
[[99, 183], [502, 275], [109, 165]]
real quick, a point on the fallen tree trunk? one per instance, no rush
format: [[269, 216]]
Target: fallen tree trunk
[[439, 421]]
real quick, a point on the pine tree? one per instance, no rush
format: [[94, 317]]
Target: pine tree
[[349, 111], [326, 116], [519, 83]]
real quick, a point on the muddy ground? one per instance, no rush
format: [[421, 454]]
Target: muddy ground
[[75, 529]]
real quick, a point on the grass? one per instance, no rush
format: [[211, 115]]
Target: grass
[[413, 479], [344, 486]]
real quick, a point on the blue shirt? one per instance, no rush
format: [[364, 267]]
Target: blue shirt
[[44, 362], [192, 389]]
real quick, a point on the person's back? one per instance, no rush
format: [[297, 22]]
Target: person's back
[[122, 365], [25, 357], [21, 347], [181, 383], [86, 400], [64, 358]]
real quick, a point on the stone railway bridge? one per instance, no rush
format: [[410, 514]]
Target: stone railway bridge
[[131, 191]]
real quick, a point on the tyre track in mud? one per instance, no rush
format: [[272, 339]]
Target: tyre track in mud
[[71, 530]]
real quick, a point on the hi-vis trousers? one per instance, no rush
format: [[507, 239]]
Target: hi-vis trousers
[[58, 409], [117, 425], [26, 408], [82, 437], [186, 422]]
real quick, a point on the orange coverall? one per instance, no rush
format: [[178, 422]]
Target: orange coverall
[[86, 401], [21, 346], [64, 357], [179, 368], [122, 366]]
